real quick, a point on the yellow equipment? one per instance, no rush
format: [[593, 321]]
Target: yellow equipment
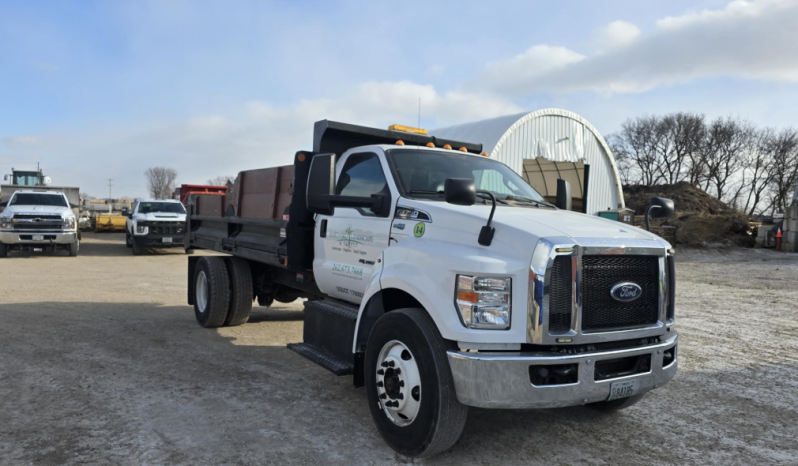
[[109, 223]]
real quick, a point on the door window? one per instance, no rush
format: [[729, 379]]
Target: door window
[[362, 176]]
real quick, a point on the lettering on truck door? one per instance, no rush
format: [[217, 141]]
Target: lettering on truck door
[[354, 237]]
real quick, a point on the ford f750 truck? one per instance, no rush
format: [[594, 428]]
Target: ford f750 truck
[[438, 279]]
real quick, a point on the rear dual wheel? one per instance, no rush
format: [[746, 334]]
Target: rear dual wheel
[[222, 291]]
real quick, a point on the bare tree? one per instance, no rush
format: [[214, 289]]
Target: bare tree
[[785, 169], [223, 180], [160, 181], [636, 145], [679, 138], [726, 144]]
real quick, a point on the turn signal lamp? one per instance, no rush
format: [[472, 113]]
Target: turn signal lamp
[[484, 302], [408, 129]]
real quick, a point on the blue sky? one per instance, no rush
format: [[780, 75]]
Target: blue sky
[[105, 89]]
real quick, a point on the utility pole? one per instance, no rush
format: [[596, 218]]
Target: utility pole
[[110, 198]]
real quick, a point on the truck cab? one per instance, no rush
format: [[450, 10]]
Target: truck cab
[[154, 223], [440, 280], [38, 221]]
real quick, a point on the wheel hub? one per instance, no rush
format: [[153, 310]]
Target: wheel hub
[[398, 383]]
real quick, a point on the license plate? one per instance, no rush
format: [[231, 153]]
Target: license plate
[[623, 389], [38, 237], [167, 240]]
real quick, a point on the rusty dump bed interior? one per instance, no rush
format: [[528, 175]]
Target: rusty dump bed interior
[[264, 217]]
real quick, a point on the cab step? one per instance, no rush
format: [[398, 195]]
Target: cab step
[[328, 335], [322, 358]]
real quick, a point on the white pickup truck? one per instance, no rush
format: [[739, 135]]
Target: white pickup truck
[[38, 221], [439, 279], [154, 223]]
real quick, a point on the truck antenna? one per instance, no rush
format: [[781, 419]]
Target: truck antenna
[[419, 112]]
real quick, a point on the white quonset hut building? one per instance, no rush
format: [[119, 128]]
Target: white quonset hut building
[[546, 145]]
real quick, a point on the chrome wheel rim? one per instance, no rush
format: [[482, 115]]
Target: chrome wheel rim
[[398, 383], [202, 291]]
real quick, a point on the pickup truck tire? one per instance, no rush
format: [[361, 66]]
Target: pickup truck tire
[[3, 250], [128, 240], [615, 405], [189, 251], [412, 341], [240, 291], [74, 248], [211, 292], [137, 250]]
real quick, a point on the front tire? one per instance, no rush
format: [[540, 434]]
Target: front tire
[[137, 250], [3, 250], [74, 248], [409, 385], [211, 292], [128, 240]]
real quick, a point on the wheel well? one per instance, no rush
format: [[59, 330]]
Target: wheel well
[[387, 300]]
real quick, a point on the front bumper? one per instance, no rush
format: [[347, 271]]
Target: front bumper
[[502, 380], [152, 240], [26, 237]]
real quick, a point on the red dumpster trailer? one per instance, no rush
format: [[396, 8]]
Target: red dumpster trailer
[[183, 192]]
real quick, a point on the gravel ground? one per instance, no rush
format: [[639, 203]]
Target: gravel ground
[[101, 362]]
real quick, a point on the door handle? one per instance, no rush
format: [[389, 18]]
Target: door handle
[[323, 229]]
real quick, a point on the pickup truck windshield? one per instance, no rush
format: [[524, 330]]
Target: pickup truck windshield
[[424, 172], [161, 207], [54, 200]]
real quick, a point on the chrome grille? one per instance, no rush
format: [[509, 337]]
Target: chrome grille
[[560, 295], [600, 311]]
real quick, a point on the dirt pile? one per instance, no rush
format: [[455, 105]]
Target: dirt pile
[[700, 219]]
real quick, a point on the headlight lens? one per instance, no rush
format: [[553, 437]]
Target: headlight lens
[[69, 223], [141, 227], [6, 222], [484, 302]]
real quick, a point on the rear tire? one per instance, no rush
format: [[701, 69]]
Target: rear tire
[[3, 250], [74, 248], [211, 292], [240, 291], [615, 405], [435, 421]]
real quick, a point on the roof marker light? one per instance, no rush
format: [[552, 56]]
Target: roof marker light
[[485, 154], [447, 146], [407, 129], [429, 144], [463, 149], [400, 143]]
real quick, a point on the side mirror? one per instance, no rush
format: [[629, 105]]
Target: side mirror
[[661, 207], [460, 191], [563, 195], [125, 212], [321, 182]]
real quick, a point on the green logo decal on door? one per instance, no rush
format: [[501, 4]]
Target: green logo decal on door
[[418, 230]]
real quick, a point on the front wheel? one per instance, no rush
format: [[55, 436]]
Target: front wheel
[[409, 385], [74, 248], [3, 250]]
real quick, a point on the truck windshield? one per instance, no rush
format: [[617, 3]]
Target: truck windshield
[[54, 200], [422, 172], [161, 207]]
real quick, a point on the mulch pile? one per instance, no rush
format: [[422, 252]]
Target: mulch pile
[[700, 219]]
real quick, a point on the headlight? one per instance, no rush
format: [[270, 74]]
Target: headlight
[[141, 227], [484, 302], [69, 223], [6, 222]]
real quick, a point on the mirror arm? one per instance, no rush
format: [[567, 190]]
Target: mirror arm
[[486, 234], [648, 212]]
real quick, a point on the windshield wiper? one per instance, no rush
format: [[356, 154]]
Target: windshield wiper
[[528, 200], [485, 196]]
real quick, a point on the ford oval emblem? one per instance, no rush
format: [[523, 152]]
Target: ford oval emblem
[[626, 292]]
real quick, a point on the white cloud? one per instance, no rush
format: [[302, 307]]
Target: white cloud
[[23, 140], [618, 34], [751, 40], [258, 134]]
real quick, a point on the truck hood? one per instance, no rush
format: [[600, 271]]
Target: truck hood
[[161, 217], [65, 212]]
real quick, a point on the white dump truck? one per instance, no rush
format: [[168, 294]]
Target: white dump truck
[[439, 279]]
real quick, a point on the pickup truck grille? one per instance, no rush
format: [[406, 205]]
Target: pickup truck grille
[[166, 228], [34, 217], [560, 295], [39, 226], [600, 311]]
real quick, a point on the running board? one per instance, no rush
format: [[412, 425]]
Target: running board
[[322, 358], [328, 335]]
